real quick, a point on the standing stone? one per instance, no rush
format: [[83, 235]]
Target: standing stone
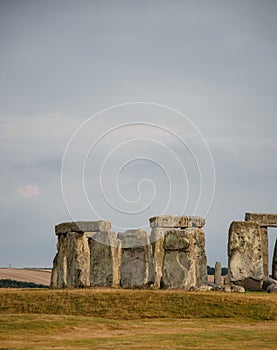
[[274, 262], [264, 245], [217, 273], [105, 258], [185, 263], [78, 256], [59, 274], [157, 240], [136, 261], [245, 261]]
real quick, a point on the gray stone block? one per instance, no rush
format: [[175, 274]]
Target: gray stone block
[[168, 221], [245, 260], [185, 267], [136, 261], [78, 257], [105, 259], [82, 226]]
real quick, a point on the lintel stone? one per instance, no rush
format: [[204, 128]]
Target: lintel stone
[[180, 221], [83, 226], [268, 220]]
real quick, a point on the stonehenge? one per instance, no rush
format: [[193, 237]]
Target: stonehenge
[[89, 254], [172, 256]]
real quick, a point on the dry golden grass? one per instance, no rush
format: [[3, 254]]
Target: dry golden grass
[[126, 319]]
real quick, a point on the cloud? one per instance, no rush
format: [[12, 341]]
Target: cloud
[[28, 191]]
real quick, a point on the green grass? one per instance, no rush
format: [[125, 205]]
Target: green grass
[[125, 319]]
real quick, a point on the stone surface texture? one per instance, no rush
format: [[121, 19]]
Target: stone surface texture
[[105, 259], [157, 240], [274, 262], [245, 260], [82, 226], [59, 271], [264, 246], [217, 273], [136, 260], [78, 257], [167, 221], [185, 263], [267, 220]]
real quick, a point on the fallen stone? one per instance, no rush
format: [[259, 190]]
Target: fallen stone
[[267, 281], [167, 221], [233, 289], [272, 288], [245, 262], [82, 226]]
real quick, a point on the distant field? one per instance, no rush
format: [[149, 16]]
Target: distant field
[[26, 275], [136, 319], [39, 276]]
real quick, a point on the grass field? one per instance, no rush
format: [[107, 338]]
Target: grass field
[[26, 275], [125, 319]]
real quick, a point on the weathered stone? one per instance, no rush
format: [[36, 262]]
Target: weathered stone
[[274, 262], [267, 281], [245, 262], [133, 238], [272, 288], [157, 239], [217, 273], [176, 240], [78, 257], [82, 226], [264, 246], [234, 289], [203, 288], [267, 220], [136, 262], [167, 221], [105, 258], [58, 276], [187, 266]]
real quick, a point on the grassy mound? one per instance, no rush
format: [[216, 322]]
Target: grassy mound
[[139, 304]]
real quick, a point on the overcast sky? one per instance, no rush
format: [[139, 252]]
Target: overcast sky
[[62, 62]]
